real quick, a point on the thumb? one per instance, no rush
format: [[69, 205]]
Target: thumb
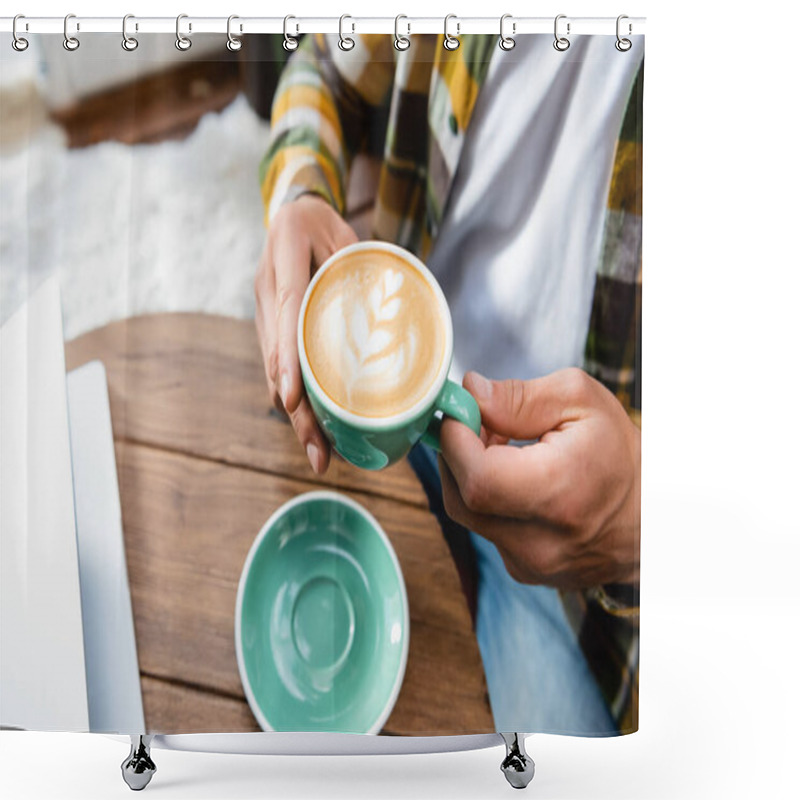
[[519, 409], [343, 234], [334, 234]]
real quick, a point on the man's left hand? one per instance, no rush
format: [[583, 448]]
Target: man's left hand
[[563, 511]]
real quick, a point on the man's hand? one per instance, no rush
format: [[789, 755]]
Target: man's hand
[[303, 234], [565, 510]]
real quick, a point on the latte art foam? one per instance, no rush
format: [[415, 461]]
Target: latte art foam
[[374, 335]]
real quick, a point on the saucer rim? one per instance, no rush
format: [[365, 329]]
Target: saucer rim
[[288, 506]]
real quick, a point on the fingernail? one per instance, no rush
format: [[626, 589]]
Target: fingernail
[[284, 388], [480, 387], [312, 451]]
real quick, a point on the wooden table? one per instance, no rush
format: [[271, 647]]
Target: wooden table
[[202, 463]]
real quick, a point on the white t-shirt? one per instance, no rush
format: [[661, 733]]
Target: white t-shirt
[[520, 240]]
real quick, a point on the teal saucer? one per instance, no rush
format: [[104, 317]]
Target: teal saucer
[[322, 620]]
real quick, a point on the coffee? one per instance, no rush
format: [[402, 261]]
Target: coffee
[[374, 333]]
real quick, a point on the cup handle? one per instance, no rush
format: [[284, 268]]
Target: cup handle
[[456, 402]]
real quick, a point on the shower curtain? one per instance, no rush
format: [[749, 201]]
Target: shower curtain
[[183, 548]]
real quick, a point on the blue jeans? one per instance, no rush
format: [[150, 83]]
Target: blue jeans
[[538, 678]]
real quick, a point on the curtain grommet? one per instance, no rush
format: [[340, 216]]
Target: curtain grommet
[[451, 42], [183, 43], [129, 43], [346, 43], [234, 44], [623, 45], [70, 43], [290, 44], [19, 43], [561, 43], [401, 43], [507, 42]]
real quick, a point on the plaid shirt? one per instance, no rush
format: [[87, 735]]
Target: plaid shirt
[[413, 109]]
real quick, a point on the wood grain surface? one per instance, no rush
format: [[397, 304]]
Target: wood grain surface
[[195, 383], [202, 463], [155, 107]]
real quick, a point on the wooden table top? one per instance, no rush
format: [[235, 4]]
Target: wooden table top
[[202, 462]]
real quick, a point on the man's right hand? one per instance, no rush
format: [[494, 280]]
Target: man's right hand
[[303, 235]]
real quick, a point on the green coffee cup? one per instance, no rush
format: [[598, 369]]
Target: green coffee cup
[[373, 442]]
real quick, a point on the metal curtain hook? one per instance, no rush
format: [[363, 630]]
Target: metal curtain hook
[[181, 42], [401, 42], [233, 43], [70, 42], [561, 43], [450, 42], [128, 42], [18, 43], [623, 45], [289, 42], [507, 42], [346, 42]]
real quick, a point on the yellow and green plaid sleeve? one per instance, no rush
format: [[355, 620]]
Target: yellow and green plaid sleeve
[[320, 118]]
